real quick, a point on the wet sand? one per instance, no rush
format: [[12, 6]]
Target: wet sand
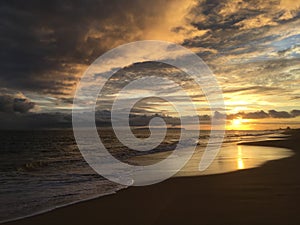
[[269, 194]]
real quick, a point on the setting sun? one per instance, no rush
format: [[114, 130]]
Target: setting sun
[[238, 124]]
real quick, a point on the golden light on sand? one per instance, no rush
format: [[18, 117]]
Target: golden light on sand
[[240, 162]]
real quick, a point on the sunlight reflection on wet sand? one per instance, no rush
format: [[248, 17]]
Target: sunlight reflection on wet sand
[[231, 157], [235, 157]]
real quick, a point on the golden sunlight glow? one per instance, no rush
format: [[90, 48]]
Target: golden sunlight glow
[[240, 162], [238, 124]]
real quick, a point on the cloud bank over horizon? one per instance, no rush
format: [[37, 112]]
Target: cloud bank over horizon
[[251, 46]]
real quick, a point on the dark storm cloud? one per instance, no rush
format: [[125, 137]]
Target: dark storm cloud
[[10, 104], [45, 45]]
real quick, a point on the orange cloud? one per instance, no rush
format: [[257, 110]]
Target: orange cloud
[[256, 22], [290, 4]]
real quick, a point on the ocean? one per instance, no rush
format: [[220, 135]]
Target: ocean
[[43, 169]]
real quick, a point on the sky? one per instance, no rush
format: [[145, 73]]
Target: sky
[[251, 46]]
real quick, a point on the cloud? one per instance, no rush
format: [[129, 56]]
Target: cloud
[[256, 60], [251, 89], [290, 4], [138, 117], [259, 115], [218, 115], [251, 46], [262, 114], [281, 114], [288, 52], [295, 113], [256, 22], [11, 104], [46, 47], [252, 115]]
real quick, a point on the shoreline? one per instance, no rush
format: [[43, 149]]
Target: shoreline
[[211, 199]]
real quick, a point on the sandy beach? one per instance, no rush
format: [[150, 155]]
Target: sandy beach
[[269, 194]]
